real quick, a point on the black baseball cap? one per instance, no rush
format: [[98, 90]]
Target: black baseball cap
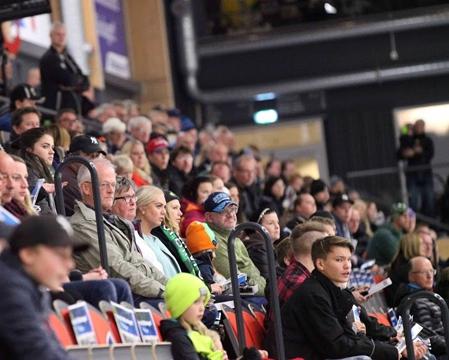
[[25, 91], [85, 143], [48, 230], [341, 199]]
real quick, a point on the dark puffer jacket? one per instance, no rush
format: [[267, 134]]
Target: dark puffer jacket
[[426, 313]]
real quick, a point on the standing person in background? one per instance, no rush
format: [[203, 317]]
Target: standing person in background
[[63, 82], [419, 151]]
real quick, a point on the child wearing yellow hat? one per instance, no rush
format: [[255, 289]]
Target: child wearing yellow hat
[[186, 297]]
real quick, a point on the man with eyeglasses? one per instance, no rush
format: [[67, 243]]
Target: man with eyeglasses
[[87, 147], [421, 275], [221, 216], [125, 261]]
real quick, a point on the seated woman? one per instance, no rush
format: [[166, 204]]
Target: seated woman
[[273, 195], [20, 205], [37, 149], [254, 243], [410, 246], [168, 233], [142, 170], [151, 213], [194, 194]]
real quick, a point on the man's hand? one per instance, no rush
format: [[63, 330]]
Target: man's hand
[[420, 350], [216, 288], [96, 274]]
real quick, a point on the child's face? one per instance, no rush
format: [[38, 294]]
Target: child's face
[[195, 312]]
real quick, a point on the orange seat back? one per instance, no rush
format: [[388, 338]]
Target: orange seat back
[[232, 318], [63, 333], [103, 328], [255, 330]]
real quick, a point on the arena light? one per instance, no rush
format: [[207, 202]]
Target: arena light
[[265, 117]]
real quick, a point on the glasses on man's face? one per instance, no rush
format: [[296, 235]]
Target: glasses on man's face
[[432, 272], [230, 211], [129, 199]]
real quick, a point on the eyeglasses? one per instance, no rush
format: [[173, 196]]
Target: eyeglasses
[[128, 198], [432, 272], [230, 210]]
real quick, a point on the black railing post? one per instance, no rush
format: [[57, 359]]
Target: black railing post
[[274, 300], [97, 202], [404, 311]]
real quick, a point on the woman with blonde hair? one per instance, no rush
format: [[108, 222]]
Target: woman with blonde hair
[[151, 214], [123, 166], [142, 170], [21, 204], [410, 246], [168, 233]]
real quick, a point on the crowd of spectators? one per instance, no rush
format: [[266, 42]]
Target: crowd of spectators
[[171, 194]]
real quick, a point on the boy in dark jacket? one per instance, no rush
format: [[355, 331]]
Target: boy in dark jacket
[[315, 319], [40, 255]]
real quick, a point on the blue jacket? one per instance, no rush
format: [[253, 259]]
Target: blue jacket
[[24, 333]]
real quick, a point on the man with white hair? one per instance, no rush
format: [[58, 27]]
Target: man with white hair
[[62, 79], [140, 128], [125, 261], [114, 130]]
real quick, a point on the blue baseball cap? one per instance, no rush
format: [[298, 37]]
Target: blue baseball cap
[[217, 202]]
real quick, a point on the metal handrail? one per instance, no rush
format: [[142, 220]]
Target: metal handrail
[[404, 311], [97, 202], [274, 300]]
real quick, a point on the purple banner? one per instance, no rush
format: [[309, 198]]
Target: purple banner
[[112, 38]]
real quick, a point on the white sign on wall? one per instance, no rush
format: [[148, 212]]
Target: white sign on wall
[[33, 29]]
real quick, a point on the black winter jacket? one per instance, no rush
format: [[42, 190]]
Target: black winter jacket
[[427, 314], [315, 325], [24, 333]]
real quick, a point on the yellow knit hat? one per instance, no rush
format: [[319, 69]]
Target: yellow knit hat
[[181, 291]]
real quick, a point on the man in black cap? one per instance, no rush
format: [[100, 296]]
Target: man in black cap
[[40, 255], [320, 191], [23, 95], [87, 147], [341, 211]]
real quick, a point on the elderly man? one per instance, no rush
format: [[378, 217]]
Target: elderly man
[[221, 216], [421, 276], [124, 259], [62, 79], [140, 128]]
